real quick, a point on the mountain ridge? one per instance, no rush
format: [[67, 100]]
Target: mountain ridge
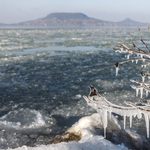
[[75, 19]]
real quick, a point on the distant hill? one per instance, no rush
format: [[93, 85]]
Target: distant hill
[[67, 19], [130, 22], [2, 24], [75, 19]]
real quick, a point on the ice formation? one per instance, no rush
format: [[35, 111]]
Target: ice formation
[[134, 110], [86, 128], [89, 142], [102, 106]]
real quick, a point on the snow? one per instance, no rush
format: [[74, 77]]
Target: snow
[[89, 142], [86, 128]]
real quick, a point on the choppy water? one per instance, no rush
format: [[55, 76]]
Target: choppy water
[[44, 72]]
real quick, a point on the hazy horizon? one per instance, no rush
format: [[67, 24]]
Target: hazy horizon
[[19, 11]]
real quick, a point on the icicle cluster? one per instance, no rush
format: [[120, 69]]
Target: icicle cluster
[[103, 107]]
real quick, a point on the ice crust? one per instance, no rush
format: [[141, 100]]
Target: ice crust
[[25, 119], [89, 142], [86, 128]]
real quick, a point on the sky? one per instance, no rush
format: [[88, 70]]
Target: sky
[[15, 11]]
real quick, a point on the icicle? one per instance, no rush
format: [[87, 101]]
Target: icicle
[[139, 115], [132, 61], [130, 121], [141, 92], [121, 49], [146, 93], [104, 119], [136, 61], [104, 132], [124, 121], [110, 114], [143, 78], [143, 60], [147, 123], [127, 56], [141, 56], [137, 90], [117, 68]]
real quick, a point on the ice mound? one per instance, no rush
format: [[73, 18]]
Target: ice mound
[[91, 127], [89, 142], [24, 119], [89, 131]]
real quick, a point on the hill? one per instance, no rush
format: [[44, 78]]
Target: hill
[[67, 19], [75, 19], [130, 22]]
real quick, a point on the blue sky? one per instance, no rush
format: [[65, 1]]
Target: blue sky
[[13, 11]]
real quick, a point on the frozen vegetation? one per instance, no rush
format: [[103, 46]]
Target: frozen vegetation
[[45, 72]]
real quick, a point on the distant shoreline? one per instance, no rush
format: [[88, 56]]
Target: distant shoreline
[[69, 27]]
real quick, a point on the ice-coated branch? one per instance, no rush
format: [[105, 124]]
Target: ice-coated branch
[[138, 49], [148, 26], [143, 41], [103, 106], [130, 52]]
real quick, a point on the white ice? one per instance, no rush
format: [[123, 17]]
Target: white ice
[[86, 128], [102, 107], [89, 142]]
